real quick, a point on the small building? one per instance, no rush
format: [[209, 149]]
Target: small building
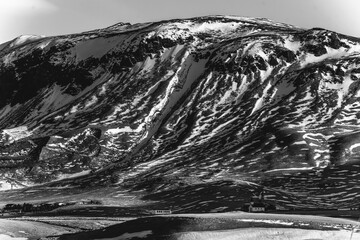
[[257, 207], [161, 212]]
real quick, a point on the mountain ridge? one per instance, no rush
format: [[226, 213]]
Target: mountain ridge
[[209, 98]]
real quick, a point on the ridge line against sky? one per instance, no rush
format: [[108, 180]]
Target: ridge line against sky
[[57, 17]]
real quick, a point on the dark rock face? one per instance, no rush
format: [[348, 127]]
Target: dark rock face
[[209, 98]]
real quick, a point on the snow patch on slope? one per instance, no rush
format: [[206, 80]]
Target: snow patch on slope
[[292, 45], [73, 175], [261, 101], [126, 129], [24, 39], [331, 53], [17, 133]]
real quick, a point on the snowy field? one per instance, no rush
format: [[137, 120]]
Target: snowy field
[[268, 234], [228, 226], [24, 229]]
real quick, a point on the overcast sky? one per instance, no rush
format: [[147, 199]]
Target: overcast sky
[[55, 17]]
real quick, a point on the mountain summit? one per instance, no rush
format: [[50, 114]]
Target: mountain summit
[[217, 102]]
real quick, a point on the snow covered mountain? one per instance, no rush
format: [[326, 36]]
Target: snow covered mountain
[[215, 98]]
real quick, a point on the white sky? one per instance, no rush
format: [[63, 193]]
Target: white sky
[[55, 17]]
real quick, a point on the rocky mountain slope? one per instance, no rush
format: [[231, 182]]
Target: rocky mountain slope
[[163, 106]]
